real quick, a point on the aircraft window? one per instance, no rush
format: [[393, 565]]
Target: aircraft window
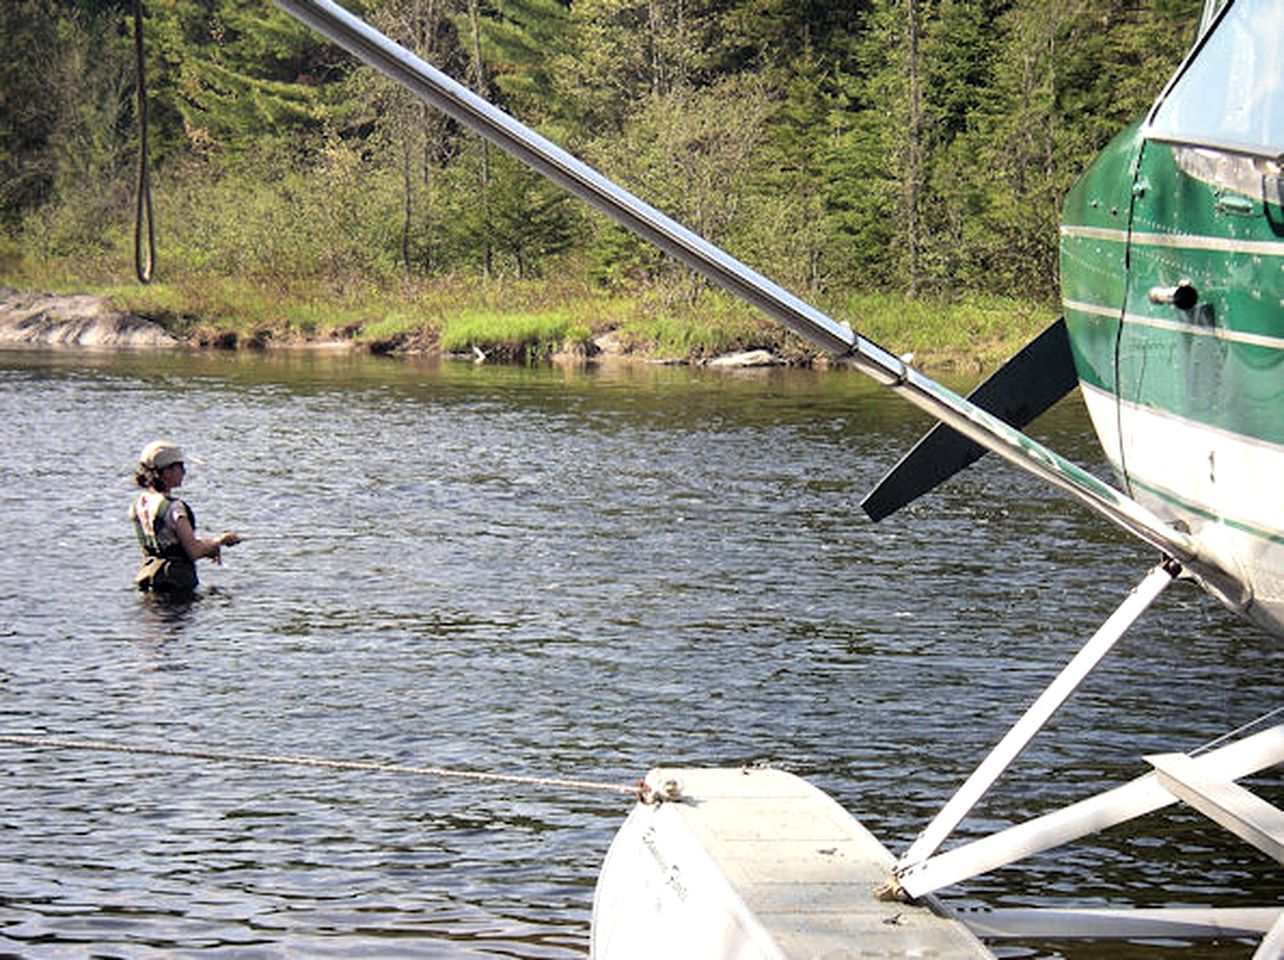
[[1230, 93]]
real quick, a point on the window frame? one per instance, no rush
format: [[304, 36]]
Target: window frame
[[1195, 139]]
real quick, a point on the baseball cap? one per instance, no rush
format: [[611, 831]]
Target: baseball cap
[[159, 454]]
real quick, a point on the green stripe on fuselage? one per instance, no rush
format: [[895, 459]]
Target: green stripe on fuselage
[[1220, 363], [1185, 507]]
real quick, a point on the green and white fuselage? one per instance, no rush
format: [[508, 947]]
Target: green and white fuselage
[[1172, 267]]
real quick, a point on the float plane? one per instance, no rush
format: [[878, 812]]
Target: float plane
[[1172, 278]]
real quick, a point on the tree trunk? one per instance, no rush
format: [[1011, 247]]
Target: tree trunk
[[479, 87], [914, 166]]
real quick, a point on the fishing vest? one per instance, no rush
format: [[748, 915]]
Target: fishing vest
[[166, 566]]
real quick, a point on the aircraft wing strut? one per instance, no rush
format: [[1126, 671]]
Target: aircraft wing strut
[[969, 419]]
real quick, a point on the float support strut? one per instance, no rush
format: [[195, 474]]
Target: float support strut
[[1016, 739], [1138, 798]]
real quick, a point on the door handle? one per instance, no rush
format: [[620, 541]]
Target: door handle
[[1183, 296]]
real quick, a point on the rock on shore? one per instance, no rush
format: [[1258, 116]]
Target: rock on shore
[[748, 358], [46, 319]]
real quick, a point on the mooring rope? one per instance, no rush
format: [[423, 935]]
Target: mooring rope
[[1252, 724], [369, 766]]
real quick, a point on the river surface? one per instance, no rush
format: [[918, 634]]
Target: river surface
[[550, 574]]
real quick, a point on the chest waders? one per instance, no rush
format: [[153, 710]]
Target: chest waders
[[166, 569]]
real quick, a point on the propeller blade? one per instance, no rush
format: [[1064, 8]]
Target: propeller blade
[[1017, 393]]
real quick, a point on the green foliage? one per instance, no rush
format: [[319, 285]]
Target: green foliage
[[1064, 83], [977, 328], [66, 116], [209, 306], [222, 75], [524, 336], [510, 221], [522, 42], [846, 150], [618, 53], [688, 153], [714, 323], [319, 212], [395, 325]]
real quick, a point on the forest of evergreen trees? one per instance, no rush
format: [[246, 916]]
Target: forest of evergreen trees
[[911, 145]]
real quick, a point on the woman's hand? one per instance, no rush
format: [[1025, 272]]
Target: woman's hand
[[228, 538]]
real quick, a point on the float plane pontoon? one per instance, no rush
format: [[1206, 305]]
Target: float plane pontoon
[[1172, 264]]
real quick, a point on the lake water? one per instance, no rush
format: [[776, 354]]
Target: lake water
[[544, 573]]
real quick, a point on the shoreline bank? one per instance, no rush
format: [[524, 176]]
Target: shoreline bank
[[71, 320], [87, 320], [90, 321]]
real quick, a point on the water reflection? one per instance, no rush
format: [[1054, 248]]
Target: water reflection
[[164, 617], [537, 572]]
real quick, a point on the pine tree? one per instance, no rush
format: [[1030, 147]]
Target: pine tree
[[523, 40], [225, 73], [66, 113]]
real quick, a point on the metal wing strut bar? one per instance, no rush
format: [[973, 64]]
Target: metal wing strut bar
[[435, 87]]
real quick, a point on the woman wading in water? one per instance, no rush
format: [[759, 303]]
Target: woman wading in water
[[166, 527]]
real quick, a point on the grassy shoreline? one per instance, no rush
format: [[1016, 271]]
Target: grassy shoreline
[[534, 320]]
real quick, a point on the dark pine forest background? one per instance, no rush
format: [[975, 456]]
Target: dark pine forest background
[[912, 149]]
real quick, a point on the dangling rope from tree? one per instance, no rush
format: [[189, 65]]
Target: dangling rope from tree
[[144, 266]]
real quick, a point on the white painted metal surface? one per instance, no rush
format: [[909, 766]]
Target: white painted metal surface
[[1272, 945], [752, 863], [1219, 798], [1177, 923], [1223, 486], [1142, 796]]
